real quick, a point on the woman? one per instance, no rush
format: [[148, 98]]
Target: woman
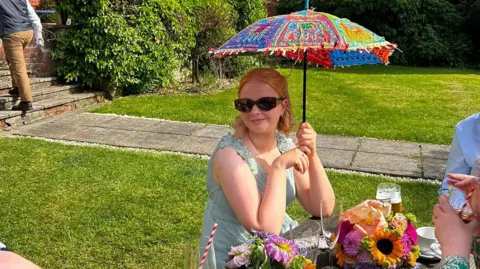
[[454, 235], [464, 153], [254, 174]]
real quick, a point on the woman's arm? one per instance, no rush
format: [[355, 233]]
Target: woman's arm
[[314, 186], [253, 211]]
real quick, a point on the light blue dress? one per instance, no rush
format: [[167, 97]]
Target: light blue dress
[[464, 157], [229, 231]]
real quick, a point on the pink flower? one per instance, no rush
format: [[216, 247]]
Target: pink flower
[[407, 245], [351, 243], [399, 221], [345, 227], [412, 233]]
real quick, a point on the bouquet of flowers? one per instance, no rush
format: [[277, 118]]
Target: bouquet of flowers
[[369, 240], [268, 251]]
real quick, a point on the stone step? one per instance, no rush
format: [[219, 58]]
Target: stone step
[[39, 94], [49, 108], [6, 83], [4, 73]]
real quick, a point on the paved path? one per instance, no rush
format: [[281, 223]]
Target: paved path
[[395, 158]]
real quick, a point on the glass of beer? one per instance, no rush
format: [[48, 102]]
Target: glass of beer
[[391, 192], [397, 206]]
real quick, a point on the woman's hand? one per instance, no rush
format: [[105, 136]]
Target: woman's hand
[[293, 158], [463, 182], [307, 139], [454, 235]]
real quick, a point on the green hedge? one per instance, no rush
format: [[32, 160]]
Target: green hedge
[[429, 32], [139, 45]]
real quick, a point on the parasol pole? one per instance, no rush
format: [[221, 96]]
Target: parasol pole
[[304, 117]]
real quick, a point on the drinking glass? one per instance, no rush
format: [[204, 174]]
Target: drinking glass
[[391, 197], [330, 211], [458, 204], [306, 234]]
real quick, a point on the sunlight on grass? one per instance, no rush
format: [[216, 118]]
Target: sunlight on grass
[[82, 207], [400, 103]]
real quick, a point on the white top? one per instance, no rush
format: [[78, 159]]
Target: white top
[[37, 25], [464, 157]]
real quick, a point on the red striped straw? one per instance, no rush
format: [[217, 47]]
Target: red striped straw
[[207, 247], [469, 196]]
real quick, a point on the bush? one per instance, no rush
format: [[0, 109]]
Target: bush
[[132, 45], [217, 21], [432, 32], [47, 5]]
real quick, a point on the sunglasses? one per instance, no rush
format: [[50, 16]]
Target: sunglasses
[[264, 103]]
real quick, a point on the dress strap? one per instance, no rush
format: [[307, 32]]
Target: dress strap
[[284, 144]]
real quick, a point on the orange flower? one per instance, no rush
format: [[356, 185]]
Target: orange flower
[[387, 248], [339, 254], [309, 265]]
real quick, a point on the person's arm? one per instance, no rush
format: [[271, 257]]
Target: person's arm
[[37, 25], [10, 260], [314, 186], [253, 211], [454, 235], [456, 165]]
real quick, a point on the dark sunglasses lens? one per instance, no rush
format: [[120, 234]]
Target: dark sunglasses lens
[[243, 105], [267, 103]]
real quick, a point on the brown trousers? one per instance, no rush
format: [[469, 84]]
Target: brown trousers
[[13, 45]]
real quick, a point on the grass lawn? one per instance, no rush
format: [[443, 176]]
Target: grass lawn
[[400, 103], [81, 207]]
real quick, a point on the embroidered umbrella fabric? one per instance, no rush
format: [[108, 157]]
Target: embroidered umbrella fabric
[[320, 38]]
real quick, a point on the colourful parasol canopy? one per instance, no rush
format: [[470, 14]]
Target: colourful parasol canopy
[[323, 39]]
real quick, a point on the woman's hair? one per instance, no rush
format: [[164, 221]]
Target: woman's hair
[[276, 81]]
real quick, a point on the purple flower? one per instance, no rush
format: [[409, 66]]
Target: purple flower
[[280, 249], [239, 256], [368, 266], [407, 244], [364, 257], [351, 243]]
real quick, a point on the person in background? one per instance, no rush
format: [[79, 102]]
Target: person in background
[[458, 239], [464, 157], [18, 25]]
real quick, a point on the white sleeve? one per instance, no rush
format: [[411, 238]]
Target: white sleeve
[[456, 165], [37, 25]]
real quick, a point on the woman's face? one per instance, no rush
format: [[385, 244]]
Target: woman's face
[[257, 120]]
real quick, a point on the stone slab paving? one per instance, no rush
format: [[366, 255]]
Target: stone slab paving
[[350, 153]]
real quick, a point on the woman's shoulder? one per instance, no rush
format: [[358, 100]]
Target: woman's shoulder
[[230, 145]]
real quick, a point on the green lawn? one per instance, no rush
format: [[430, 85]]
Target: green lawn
[[81, 207], [401, 103]]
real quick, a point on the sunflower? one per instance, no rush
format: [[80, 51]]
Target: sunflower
[[387, 248]]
